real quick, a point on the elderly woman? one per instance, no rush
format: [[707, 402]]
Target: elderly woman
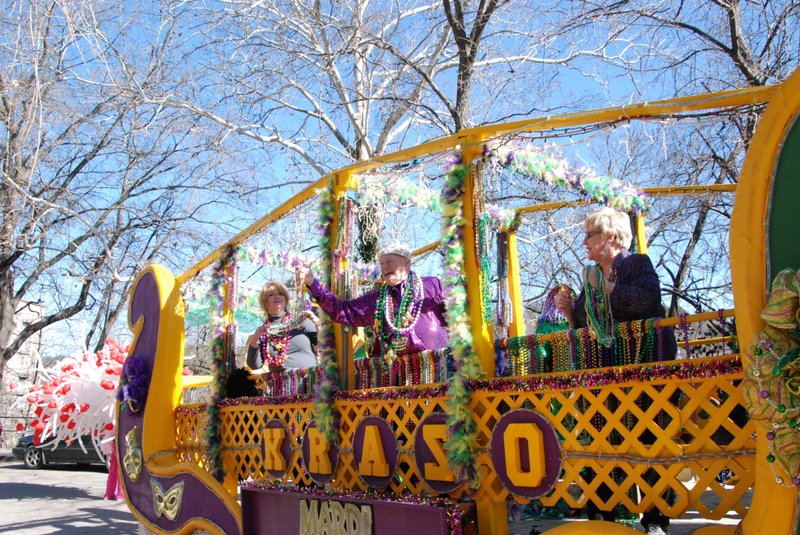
[[621, 286], [407, 311], [282, 342]]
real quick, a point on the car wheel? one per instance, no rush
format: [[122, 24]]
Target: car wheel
[[34, 458]]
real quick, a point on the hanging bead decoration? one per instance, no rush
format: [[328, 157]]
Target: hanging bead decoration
[[546, 166], [598, 307], [684, 325], [219, 364], [325, 414], [482, 252], [461, 448], [504, 305], [343, 252]]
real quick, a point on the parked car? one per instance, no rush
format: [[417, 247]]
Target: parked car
[[38, 456]]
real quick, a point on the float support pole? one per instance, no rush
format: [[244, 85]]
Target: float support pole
[[492, 516], [342, 182], [483, 339], [517, 326], [641, 238]]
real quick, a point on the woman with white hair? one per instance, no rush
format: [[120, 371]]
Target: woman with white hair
[[621, 286], [407, 311]]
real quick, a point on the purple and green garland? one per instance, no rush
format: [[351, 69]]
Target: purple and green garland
[[461, 447], [530, 161], [324, 413]]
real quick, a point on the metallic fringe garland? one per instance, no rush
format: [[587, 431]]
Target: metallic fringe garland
[[293, 382], [424, 368], [578, 349]]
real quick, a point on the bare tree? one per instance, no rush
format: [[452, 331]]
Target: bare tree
[[95, 184], [688, 47]]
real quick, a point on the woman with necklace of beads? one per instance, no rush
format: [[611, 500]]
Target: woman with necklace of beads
[[407, 311], [621, 286], [282, 342]]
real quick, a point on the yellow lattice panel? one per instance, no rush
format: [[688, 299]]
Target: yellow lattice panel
[[638, 438]]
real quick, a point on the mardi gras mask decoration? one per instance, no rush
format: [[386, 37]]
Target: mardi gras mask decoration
[[132, 461], [167, 503]]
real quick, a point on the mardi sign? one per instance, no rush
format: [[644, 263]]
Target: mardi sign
[[524, 449]]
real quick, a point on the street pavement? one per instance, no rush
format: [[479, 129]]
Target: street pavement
[[67, 500]]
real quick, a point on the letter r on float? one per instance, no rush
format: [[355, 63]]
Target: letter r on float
[[373, 460], [435, 436], [320, 463], [273, 440], [524, 449]]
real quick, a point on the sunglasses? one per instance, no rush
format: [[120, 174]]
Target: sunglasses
[[590, 234]]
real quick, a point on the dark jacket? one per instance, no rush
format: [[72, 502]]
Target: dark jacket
[[636, 296]]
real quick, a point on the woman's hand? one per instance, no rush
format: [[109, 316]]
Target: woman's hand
[[253, 339], [313, 317], [305, 275], [564, 302]]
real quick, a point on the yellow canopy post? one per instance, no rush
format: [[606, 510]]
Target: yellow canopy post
[[483, 339]]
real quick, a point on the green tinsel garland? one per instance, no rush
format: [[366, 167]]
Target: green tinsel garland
[[461, 447]]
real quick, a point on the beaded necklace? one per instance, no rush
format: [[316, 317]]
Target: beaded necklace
[[598, 308], [393, 325], [276, 336]]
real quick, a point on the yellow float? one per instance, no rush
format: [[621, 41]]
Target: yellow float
[[340, 451]]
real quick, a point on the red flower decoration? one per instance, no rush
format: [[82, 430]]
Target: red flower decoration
[[108, 385]]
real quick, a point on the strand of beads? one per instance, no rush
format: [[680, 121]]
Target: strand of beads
[[524, 357], [581, 348], [573, 357], [561, 354], [277, 338], [598, 307], [513, 354], [647, 346], [684, 324], [392, 326], [537, 354], [590, 349]]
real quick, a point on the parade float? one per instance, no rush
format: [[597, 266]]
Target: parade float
[[441, 442]]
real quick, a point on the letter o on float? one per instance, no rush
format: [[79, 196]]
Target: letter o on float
[[526, 453]]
